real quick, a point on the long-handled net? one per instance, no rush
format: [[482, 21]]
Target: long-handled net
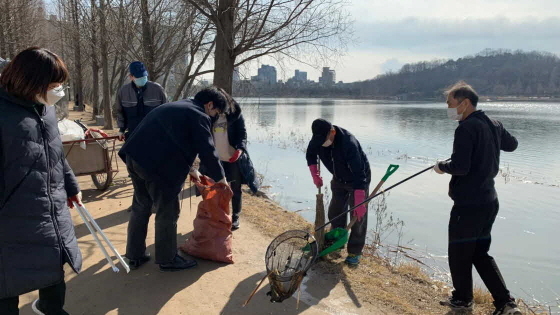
[[287, 259], [292, 253]]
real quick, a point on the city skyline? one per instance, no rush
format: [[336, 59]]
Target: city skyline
[[268, 75]]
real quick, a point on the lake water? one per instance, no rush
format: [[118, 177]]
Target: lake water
[[414, 135]]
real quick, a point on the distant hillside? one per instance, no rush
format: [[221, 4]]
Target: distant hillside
[[491, 72]]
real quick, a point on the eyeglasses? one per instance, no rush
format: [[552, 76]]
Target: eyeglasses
[[60, 88]]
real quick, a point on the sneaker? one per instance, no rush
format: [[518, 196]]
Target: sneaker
[[457, 305], [235, 224], [508, 309], [353, 260], [179, 263], [35, 308], [136, 263]]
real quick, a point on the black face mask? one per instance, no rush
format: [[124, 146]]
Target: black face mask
[[206, 110], [213, 119]]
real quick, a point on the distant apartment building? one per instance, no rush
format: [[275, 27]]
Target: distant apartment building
[[328, 77], [266, 74], [300, 76]]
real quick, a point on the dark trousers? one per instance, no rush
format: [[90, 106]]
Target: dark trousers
[[51, 301], [342, 198], [234, 178], [148, 194], [469, 243]]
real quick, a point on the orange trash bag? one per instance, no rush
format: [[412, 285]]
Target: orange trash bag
[[212, 238]]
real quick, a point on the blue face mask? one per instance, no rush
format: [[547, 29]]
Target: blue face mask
[[140, 82]]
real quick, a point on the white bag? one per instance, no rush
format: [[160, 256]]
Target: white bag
[[70, 131]]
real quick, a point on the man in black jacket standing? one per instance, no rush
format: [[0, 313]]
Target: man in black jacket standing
[[474, 164], [343, 156], [159, 155]]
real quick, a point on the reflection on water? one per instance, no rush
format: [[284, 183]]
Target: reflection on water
[[415, 135], [264, 116]]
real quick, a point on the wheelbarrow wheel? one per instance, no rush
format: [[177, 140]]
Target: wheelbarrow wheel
[[102, 181]]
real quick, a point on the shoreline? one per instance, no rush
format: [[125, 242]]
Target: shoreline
[[483, 99]]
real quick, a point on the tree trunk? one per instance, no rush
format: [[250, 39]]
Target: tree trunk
[[105, 66], [61, 28], [224, 56], [10, 46], [3, 27], [189, 86], [78, 83], [166, 77], [94, 63], [147, 40]]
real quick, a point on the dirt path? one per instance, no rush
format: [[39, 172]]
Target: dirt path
[[211, 288]]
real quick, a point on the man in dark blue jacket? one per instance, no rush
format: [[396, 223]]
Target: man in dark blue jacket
[[343, 156], [474, 164], [159, 156]]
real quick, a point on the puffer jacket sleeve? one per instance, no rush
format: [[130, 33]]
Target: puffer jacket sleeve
[[241, 134], [70, 182], [353, 155]]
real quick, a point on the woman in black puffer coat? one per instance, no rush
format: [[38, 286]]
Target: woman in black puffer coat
[[36, 231]]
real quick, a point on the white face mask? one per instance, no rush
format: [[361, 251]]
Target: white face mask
[[53, 96], [453, 114], [327, 143]]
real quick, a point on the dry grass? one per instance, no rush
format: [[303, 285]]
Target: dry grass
[[413, 271], [482, 296], [271, 219]]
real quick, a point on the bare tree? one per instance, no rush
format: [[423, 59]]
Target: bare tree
[[105, 65], [94, 58], [166, 27], [147, 38], [76, 46], [20, 25], [249, 29], [198, 45]]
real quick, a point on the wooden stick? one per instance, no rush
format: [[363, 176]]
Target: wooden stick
[[256, 289], [298, 296], [355, 219]]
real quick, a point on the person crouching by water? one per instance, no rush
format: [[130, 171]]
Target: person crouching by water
[[159, 155], [343, 156], [36, 185], [474, 164]]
